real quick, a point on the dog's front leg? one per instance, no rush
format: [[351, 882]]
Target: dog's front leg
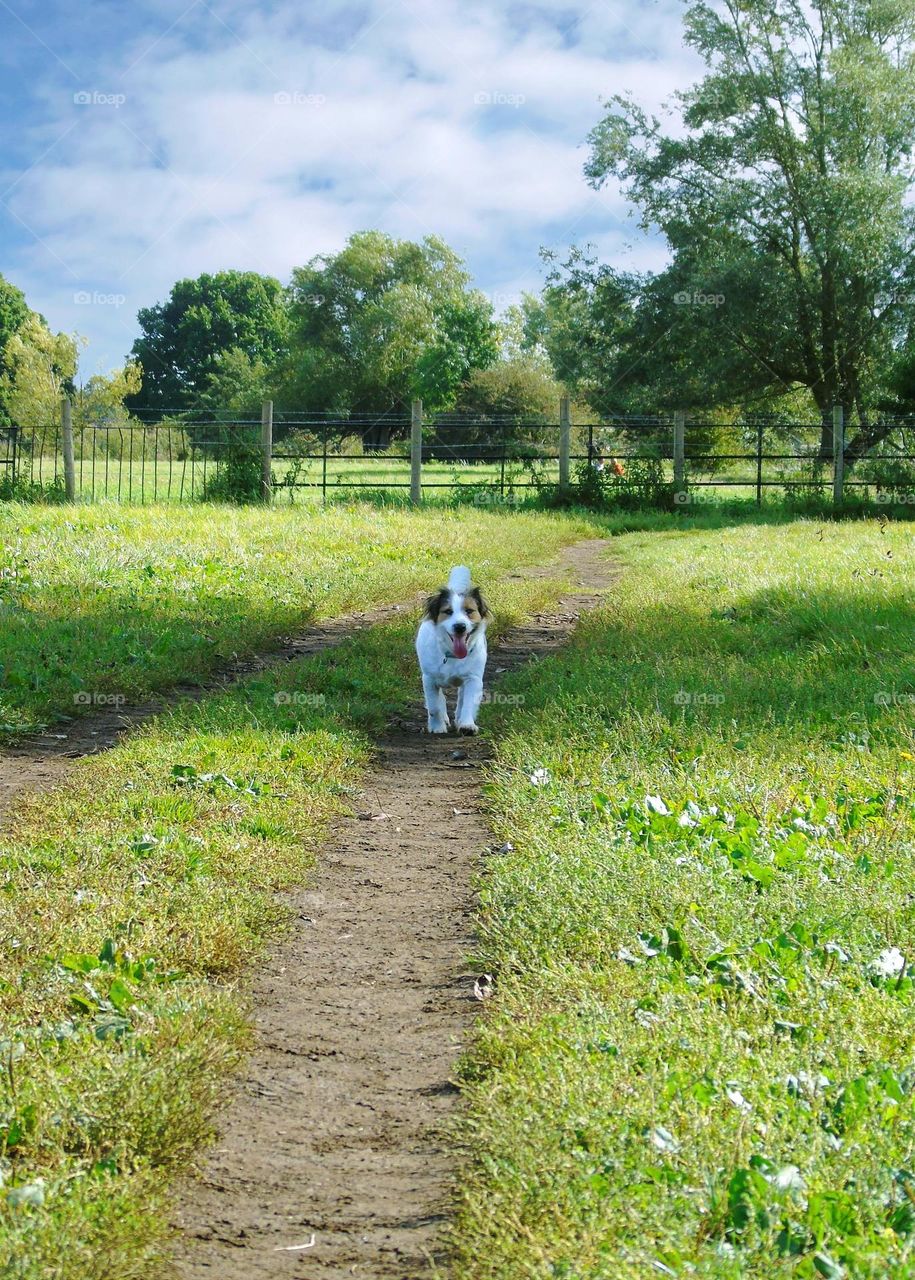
[[436, 706], [471, 696]]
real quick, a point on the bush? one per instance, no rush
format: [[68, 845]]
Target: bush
[[640, 484], [238, 475], [25, 489]]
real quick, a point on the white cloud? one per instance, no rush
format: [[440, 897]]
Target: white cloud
[[202, 167]]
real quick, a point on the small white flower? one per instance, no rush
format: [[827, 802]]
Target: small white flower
[[805, 1082], [663, 1139], [736, 1098], [656, 805], [789, 1178], [889, 963], [540, 777]]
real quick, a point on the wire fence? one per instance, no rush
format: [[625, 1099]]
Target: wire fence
[[154, 457]]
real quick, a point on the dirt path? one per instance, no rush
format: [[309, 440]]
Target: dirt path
[[328, 1163], [39, 761]]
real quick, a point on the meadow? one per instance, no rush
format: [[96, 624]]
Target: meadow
[[699, 1057], [137, 896], [115, 601]]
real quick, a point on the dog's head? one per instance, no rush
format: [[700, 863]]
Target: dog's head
[[459, 616]]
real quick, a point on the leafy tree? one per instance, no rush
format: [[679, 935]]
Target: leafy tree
[[14, 312], [584, 323], [238, 385], [785, 190], [187, 340], [383, 322], [101, 400], [38, 370], [517, 388]]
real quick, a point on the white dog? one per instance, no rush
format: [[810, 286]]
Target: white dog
[[451, 647]]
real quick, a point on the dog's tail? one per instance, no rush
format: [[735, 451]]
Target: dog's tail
[[459, 579]]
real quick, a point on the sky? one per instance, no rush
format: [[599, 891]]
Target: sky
[[154, 140]]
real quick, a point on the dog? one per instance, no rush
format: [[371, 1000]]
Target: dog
[[451, 648]]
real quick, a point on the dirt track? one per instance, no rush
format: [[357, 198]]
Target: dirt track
[[39, 761], [328, 1163]]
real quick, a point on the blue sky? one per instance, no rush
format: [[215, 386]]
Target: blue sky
[[155, 140]]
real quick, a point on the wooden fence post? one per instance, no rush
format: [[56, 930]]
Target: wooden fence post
[[416, 452], [838, 453], [565, 441], [66, 434], [267, 451], [679, 451]]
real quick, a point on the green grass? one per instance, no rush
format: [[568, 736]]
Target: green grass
[[700, 1058], [133, 898], [110, 602], [182, 480]]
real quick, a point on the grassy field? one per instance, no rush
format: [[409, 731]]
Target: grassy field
[[133, 895], [150, 479], [110, 602], [699, 1059]]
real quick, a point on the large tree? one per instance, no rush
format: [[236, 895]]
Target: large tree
[[382, 322], [186, 341], [14, 311], [781, 185], [38, 369]]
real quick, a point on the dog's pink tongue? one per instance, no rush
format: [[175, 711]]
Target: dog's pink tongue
[[460, 648]]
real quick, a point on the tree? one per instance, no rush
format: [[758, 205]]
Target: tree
[[516, 389], [38, 370], [101, 400], [238, 386], [383, 322], [14, 312], [784, 191], [584, 323], [186, 340]]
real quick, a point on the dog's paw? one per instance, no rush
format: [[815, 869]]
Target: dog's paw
[[439, 726], [468, 730]]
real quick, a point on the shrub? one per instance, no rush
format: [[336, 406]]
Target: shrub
[[238, 476]]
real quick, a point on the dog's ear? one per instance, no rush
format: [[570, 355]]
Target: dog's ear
[[435, 604], [482, 606]]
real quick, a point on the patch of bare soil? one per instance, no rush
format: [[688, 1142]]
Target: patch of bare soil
[[38, 761], [330, 1160]]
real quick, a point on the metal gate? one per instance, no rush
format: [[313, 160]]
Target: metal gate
[[9, 443]]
